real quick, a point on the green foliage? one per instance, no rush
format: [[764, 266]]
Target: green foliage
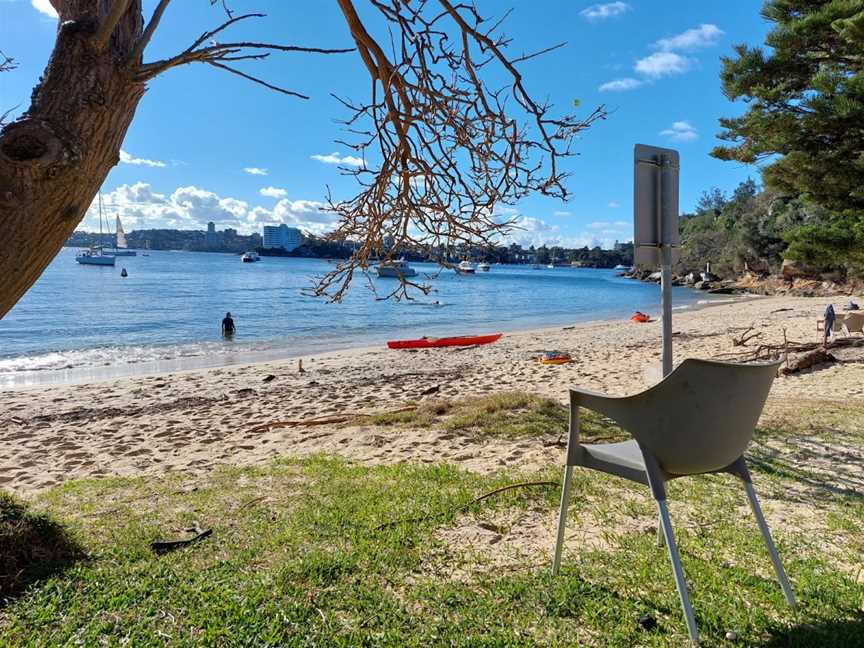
[[744, 230], [839, 238], [806, 106]]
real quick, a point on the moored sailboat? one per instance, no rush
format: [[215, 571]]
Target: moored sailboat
[[120, 246], [96, 255]]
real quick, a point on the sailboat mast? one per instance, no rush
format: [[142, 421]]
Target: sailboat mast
[[100, 219]]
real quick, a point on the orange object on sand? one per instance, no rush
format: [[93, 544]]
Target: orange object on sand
[[555, 358], [640, 317]]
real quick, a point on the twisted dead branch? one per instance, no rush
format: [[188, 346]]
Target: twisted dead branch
[[442, 149]]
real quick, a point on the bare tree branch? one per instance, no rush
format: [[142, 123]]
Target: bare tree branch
[[217, 52], [106, 27], [255, 79], [7, 63], [443, 150], [144, 40]]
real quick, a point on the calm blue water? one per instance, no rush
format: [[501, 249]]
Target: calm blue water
[[170, 307]]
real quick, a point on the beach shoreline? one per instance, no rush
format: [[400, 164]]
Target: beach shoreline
[[249, 357], [194, 420]]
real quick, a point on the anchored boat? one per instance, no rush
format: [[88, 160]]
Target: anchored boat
[[466, 267], [120, 246], [395, 269], [96, 255]]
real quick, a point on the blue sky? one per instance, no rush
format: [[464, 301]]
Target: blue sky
[[206, 145]]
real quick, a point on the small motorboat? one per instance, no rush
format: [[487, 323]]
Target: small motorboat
[[483, 267], [466, 267], [431, 342], [95, 256], [551, 266], [395, 269], [250, 257]]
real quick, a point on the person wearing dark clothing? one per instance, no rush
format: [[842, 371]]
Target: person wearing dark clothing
[[829, 323], [228, 328]]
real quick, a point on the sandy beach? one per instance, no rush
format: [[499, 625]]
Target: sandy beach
[[191, 421]]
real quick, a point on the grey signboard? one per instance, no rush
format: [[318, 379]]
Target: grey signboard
[[655, 204]]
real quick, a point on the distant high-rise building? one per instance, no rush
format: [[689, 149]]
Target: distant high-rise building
[[210, 237], [282, 236]]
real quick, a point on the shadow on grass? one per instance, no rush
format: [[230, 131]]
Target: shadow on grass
[[772, 464], [32, 547], [842, 633]]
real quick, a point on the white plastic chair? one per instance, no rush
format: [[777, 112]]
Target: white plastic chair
[[699, 419]]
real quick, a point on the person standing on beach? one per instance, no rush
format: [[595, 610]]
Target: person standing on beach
[[829, 324], [228, 326]]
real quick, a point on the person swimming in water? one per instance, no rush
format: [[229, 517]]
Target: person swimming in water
[[228, 328]]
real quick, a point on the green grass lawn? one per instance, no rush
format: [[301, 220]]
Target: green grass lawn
[[320, 552]]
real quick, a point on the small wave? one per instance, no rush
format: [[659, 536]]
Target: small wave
[[114, 355]]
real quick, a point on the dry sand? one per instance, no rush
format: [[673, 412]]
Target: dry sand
[[193, 420]]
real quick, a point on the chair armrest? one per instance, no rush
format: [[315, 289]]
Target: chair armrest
[[602, 403]]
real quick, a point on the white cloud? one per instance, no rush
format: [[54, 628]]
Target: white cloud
[[613, 205], [335, 158], [192, 207], [256, 171], [273, 192], [661, 64], [44, 6], [308, 215], [704, 35], [619, 85], [561, 213], [604, 11], [681, 131], [126, 158], [537, 232]]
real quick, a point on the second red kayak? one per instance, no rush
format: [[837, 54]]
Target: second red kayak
[[431, 342]]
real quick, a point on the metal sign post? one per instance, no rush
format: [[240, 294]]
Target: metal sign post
[[655, 224]]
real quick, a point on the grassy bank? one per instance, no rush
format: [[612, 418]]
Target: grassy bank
[[319, 552]]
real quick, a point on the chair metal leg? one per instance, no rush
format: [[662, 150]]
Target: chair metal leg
[[769, 543], [659, 531], [562, 519], [680, 583]]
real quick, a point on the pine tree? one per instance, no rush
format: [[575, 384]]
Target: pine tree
[[805, 119]]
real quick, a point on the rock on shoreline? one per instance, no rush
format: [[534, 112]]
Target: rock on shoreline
[[753, 284]]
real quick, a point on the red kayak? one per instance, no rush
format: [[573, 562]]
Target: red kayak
[[430, 342]]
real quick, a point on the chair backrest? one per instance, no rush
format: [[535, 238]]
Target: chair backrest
[[854, 322], [701, 417]]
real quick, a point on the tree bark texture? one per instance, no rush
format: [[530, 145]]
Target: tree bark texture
[[55, 157]]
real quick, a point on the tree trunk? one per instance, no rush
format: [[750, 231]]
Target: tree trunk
[[55, 157]]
